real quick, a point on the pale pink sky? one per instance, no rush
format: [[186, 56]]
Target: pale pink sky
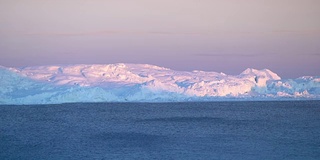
[[213, 35]]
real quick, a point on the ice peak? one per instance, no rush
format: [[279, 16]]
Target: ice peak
[[261, 73], [250, 71]]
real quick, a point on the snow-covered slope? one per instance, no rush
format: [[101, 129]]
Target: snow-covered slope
[[143, 82]]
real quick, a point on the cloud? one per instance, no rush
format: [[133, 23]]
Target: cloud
[[132, 32], [315, 31], [251, 54], [310, 54], [227, 55], [109, 32]]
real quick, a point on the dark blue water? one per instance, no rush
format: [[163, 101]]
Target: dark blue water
[[218, 130]]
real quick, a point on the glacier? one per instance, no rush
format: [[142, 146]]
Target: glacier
[[145, 83]]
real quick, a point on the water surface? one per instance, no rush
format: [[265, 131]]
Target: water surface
[[207, 130]]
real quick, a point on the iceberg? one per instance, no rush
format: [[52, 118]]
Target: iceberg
[[145, 83]]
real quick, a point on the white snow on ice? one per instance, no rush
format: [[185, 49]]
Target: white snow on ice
[[145, 83]]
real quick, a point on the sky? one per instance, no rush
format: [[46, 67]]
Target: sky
[[211, 35]]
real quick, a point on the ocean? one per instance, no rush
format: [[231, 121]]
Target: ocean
[[190, 130]]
